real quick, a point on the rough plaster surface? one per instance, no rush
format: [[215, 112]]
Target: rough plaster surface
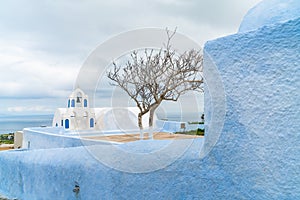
[[259, 144], [255, 156], [51, 174], [270, 12]]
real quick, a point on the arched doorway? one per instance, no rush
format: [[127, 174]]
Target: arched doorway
[[67, 123], [92, 123]]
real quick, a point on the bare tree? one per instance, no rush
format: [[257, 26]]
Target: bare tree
[[153, 76]]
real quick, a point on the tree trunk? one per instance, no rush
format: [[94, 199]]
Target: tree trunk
[[140, 123], [151, 115]]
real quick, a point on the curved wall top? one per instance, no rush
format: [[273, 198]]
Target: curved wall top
[[270, 12]]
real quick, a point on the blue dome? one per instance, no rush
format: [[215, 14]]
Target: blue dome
[[270, 12]]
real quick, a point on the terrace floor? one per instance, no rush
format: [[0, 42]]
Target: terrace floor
[[136, 136]]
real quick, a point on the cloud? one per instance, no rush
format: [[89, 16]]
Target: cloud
[[225, 14], [22, 109], [87, 23], [44, 43], [28, 74]]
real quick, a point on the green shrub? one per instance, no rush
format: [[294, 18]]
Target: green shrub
[[6, 141], [198, 131]]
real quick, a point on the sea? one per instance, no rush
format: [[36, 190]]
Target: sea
[[13, 123]]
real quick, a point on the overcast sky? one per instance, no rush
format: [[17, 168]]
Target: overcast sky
[[44, 43]]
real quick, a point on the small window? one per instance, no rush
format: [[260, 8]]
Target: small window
[[62, 123], [56, 125], [85, 103], [69, 103], [73, 103], [67, 124], [92, 123]]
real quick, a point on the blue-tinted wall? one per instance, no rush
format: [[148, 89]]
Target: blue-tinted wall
[[251, 151]]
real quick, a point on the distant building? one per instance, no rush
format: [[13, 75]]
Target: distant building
[[78, 115]]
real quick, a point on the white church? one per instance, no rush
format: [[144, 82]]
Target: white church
[[78, 115]]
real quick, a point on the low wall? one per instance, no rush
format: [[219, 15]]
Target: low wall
[[53, 173], [174, 126], [58, 137], [18, 139], [53, 137]]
